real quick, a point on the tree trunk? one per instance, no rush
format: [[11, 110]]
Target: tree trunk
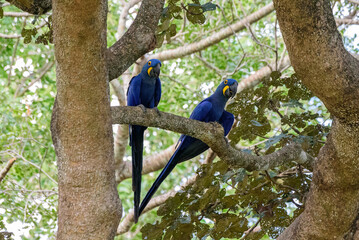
[[319, 58], [89, 206]]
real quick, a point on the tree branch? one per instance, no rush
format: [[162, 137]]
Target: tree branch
[[22, 89], [9, 36], [36, 7], [214, 38], [124, 13], [346, 21], [354, 1], [17, 14], [138, 40], [318, 55], [258, 76], [5, 170], [211, 134], [128, 221]]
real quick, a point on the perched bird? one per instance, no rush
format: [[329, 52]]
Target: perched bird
[[144, 90], [210, 109]]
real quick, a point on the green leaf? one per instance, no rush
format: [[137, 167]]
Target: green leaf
[[293, 103], [1, 12], [159, 39], [172, 30], [273, 140], [255, 123], [241, 173], [209, 7], [195, 14], [275, 75]]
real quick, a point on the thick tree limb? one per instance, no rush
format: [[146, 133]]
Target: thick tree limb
[[318, 55], [210, 133], [138, 40], [214, 38], [6, 169], [81, 123], [319, 58], [36, 7]]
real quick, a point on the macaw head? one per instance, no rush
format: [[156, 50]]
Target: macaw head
[[152, 68], [228, 87]]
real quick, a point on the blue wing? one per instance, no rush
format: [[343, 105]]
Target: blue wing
[[200, 113], [158, 91], [226, 121], [134, 91]]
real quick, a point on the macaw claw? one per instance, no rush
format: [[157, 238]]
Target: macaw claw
[[143, 108]]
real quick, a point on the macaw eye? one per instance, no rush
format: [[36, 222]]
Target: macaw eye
[[149, 63], [225, 81]]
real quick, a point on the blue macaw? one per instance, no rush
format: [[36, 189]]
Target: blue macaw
[[210, 109], [144, 90]]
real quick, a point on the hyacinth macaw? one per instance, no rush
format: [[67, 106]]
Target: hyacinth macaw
[[144, 90], [210, 109]]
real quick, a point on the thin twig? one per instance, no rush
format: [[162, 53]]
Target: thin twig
[[251, 229], [43, 71], [33, 164], [176, 81]]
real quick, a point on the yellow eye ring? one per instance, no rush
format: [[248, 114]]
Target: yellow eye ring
[[225, 81], [149, 63]]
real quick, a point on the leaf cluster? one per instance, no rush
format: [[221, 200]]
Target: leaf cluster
[[32, 33], [225, 202], [194, 12], [284, 100]]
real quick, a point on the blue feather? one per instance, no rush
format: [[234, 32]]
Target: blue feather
[[144, 89], [210, 109]]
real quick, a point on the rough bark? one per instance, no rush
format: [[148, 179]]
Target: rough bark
[[212, 134], [36, 7], [89, 206], [318, 56], [6, 169], [138, 40]]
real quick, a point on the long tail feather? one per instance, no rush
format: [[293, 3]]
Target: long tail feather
[[165, 172], [137, 149]]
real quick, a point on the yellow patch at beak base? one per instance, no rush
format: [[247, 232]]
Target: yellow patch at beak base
[[149, 71], [224, 90]]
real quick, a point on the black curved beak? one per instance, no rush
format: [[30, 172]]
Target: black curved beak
[[156, 71], [232, 90]]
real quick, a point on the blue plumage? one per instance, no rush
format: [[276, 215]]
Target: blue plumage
[[144, 89], [210, 109]]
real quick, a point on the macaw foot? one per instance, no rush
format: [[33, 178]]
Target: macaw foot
[[157, 111], [215, 124], [143, 108]]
